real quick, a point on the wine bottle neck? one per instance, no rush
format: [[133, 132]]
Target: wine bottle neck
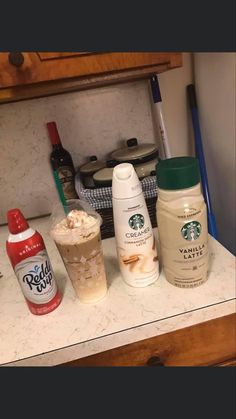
[[57, 146], [53, 134]]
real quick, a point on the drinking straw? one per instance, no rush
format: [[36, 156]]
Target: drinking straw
[[60, 191]]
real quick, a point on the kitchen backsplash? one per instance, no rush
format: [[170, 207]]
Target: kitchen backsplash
[[89, 122]]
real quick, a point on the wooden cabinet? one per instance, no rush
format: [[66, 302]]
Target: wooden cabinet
[[26, 75], [209, 343]]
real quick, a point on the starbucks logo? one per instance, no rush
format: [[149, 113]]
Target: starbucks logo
[[136, 222], [191, 231]]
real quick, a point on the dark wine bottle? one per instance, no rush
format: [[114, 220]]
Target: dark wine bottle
[[62, 165]]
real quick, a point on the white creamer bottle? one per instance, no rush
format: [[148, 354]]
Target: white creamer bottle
[[182, 222], [135, 242]]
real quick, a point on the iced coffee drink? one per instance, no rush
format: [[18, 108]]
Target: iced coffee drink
[[77, 237]]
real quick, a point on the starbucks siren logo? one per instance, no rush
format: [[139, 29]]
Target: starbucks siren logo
[[136, 222], [191, 231]]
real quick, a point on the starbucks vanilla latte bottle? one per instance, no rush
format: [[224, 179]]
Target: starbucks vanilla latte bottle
[[182, 222]]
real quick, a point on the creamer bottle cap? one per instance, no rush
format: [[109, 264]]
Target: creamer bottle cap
[[125, 182]]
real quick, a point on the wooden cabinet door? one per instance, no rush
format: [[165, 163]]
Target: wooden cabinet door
[[55, 55], [209, 343], [43, 66], [35, 74]]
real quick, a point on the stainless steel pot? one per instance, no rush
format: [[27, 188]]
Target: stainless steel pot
[[144, 157]]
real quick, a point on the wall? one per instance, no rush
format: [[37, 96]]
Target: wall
[[215, 84], [89, 122]]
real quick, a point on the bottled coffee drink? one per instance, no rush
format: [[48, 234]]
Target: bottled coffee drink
[[182, 222], [135, 241]]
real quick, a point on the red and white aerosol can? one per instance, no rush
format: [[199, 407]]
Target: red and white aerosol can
[[28, 255]]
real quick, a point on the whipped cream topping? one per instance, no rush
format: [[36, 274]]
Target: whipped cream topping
[[77, 226], [77, 218]]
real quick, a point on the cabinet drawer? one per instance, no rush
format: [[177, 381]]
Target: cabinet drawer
[[207, 343], [41, 66], [35, 74]]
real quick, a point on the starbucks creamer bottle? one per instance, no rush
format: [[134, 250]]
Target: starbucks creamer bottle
[[182, 222], [136, 247]]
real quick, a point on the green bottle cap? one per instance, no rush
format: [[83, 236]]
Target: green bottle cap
[[177, 173]]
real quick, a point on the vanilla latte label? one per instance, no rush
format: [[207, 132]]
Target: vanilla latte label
[[184, 243]]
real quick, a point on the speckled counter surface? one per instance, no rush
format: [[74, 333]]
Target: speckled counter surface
[[75, 330]]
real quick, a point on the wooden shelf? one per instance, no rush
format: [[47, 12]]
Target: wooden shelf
[[209, 343]]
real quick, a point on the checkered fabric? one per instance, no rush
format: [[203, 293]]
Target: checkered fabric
[[102, 197]]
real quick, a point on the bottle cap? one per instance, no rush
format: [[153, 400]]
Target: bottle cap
[[53, 133], [177, 173], [125, 182], [16, 221]]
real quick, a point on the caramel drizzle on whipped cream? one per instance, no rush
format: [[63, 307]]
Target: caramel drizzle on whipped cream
[[79, 218]]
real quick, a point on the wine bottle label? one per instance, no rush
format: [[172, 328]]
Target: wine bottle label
[[66, 176], [36, 278]]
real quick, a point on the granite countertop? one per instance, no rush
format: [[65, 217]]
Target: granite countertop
[[75, 330]]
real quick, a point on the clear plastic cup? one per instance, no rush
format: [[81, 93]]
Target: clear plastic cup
[[80, 247]]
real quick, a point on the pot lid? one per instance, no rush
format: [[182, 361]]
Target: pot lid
[[92, 166], [135, 151], [145, 169], [103, 175]]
